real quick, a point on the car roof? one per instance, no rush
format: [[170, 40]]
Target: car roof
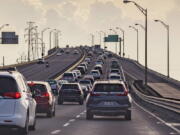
[[13, 74], [39, 82], [114, 74], [109, 82]]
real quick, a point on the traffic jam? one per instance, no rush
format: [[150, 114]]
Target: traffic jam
[[98, 82]]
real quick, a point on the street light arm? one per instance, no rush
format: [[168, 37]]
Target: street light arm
[[133, 28], [164, 24], [144, 11], [137, 24]]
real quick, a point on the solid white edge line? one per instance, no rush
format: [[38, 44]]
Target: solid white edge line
[[167, 124], [158, 118]]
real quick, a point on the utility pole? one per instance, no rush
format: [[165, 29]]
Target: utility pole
[[3, 61]]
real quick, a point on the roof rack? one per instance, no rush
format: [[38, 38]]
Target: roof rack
[[9, 69]]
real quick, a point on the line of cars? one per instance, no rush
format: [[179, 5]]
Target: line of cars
[[109, 97], [21, 100]]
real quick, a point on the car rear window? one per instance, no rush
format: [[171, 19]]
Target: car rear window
[[109, 88], [38, 88], [8, 84], [69, 86], [85, 82], [68, 75], [115, 77]]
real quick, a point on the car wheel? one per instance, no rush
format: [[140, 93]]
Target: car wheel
[[89, 115], [128, 115], [25, 130], [33, 127], [60, 101], [54, 112], [50, 113], [81, 102]]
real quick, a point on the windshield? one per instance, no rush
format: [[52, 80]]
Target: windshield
[[68, 75], [69, 86]]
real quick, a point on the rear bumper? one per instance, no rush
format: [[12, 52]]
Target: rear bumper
[[72, 99], [109, 111], [43, 108], [13, 121]]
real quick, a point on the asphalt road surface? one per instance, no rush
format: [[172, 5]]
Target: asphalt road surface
[[70, 120], [56, 64]]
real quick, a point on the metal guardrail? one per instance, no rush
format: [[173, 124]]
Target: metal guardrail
[[168, 104]]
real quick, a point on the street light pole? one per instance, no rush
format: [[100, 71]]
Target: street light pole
[[92, 40], [50, 38], [104, 38], [43, 44], [145, 12], [167, 28], [137, 41], [115, 32], [123, 39]]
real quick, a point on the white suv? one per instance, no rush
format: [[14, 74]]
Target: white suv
[[18, 108]]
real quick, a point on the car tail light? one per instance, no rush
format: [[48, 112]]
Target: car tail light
[[123, 94], [94, 94], [31, 84], [14, 95], [45, 94]]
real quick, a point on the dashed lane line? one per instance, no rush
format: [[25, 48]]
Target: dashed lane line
[[55, 132], [67, 124]]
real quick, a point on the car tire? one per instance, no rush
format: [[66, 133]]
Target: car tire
[[54, 112], [25, 130], [33, 127], [81, 102], [128, 115], [89, 115], [50, 113], [60, 101]]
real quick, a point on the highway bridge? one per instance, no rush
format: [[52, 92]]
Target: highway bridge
[[157, 114]]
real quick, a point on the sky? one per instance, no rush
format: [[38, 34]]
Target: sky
[[78, 18]]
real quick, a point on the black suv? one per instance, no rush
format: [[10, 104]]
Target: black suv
[[71, 92]]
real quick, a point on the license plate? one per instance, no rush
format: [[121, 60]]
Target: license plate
[[108, 103]]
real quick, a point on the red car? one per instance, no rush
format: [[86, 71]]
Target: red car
[[44, 97]]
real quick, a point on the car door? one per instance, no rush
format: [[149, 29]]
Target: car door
[[30, 99]]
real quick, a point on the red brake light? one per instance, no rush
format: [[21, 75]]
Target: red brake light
[[14, 95], [45, 94], [123, 94], [31, 84]]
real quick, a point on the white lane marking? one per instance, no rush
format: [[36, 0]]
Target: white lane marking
[[67, 124], [167, 124], [82, 113], [55, 132], [77, 116], [72, 120]]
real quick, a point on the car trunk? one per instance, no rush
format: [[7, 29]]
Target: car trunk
[[8, 96]]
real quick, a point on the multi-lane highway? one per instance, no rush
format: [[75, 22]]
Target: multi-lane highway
[[70, 117], [56, 64]]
